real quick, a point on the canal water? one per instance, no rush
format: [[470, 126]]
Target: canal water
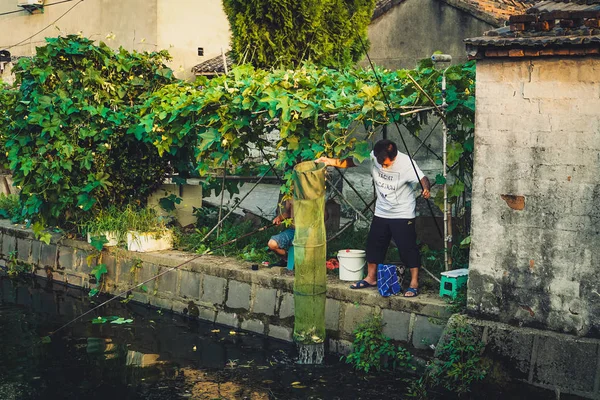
[[157, 356]]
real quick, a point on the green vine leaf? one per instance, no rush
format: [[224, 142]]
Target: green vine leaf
[[440, 179], [98, 271], [98, 242]]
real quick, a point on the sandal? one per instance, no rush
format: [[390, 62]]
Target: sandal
[[362, 284], [414, 291]]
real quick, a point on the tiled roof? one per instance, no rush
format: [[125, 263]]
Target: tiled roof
[[550, 27], [383, 6], [213, 66], [495, 12]]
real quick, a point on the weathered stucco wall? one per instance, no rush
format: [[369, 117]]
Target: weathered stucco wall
[[536, 214], [414, 29], [130, 22], [185, 25], [144, 25]]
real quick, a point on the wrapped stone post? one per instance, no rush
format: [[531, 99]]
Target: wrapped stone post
[[309, 261]]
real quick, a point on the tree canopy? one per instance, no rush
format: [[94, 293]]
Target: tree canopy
[[284, 33], [69, 138]]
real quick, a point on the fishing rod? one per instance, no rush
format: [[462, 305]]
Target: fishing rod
[[161, 274]]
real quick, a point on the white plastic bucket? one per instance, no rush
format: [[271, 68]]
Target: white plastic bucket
[[352, 264]]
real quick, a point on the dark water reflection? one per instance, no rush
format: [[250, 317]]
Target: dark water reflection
[[156, 357]]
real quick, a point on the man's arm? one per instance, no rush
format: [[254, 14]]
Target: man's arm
[[285, 214], [426, 187], [336, 162]]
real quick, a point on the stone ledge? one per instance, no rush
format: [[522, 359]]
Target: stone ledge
[[230, 268], [225, 289]]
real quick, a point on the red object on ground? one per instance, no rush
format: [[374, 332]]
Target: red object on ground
[[332, 264]]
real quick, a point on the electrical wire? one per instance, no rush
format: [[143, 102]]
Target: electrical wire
[[48, 26]]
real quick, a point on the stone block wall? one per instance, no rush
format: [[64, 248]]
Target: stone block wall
[[225, 290], [559, 362], [536, 214]]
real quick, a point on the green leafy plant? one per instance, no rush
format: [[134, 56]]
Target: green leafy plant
[[118, 222], [14, 267], [169, 203], [372, 350], [458, 363], [98, 242], [91, 127], [99, 271], [10, 207], [327, 32], [252, 248], [72, 141], [459, 304], [40, 233], [317, 111], [8, 100]]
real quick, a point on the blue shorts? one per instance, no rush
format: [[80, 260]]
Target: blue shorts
[[284, 239]]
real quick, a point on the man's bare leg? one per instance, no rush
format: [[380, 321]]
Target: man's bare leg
[[274, 247], [414, 281], [371, 274]]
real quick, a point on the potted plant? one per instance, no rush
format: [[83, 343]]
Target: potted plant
[[140, 230], [106, 227], [146, 230]]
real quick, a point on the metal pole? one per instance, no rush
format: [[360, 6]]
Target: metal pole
[[222, 195], [447, 232]]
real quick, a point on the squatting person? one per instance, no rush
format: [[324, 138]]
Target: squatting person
[[280, 243], [395, 182]]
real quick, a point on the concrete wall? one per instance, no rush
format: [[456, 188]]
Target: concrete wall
[[180, 26], [534, 252], [227, 291], [185, 25], [559, 362], [414, 29]]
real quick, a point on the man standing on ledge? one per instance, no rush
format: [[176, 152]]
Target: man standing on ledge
[[395, 182]]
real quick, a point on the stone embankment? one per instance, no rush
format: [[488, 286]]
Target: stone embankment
[[227, 291]]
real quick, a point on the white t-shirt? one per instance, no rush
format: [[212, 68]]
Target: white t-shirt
[[395, 187]]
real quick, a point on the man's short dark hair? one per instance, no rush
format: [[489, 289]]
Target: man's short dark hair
[[385, 149]]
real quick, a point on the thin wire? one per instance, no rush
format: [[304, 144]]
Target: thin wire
[[45, 5], [234, 207], [157, 276], [387, 102], [269, 162], [42, 30]]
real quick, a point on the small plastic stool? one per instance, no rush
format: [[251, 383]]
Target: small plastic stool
[[452, 281], [290, 260]]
